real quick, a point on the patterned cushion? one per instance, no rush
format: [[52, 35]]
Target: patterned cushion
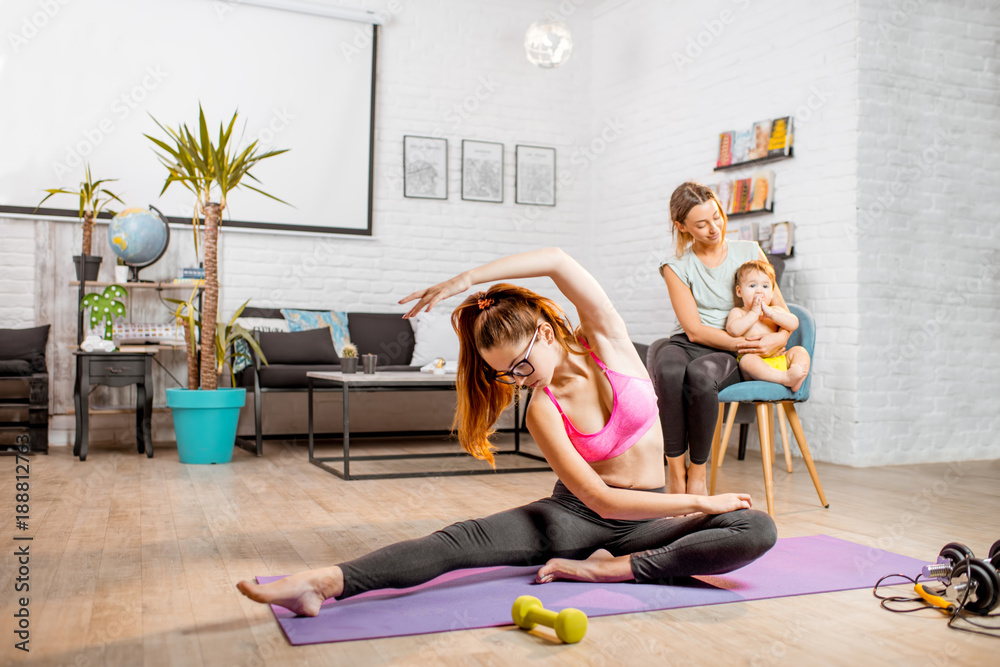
[[304, 320]]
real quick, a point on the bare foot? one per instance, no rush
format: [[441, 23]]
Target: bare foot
[[301, 593], [600, 567], [796, 375]]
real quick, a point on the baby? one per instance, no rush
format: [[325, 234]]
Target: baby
[[754, 316]]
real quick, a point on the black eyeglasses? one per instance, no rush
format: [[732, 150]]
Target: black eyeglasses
[[521, 369]]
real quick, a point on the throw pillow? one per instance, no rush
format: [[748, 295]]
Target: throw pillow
[[386, 334], [303, 320], [243, 354], [263, 323], [435, 338], [312, 346], [27, 345]]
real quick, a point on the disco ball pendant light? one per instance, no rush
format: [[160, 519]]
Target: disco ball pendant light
[[548, 43]]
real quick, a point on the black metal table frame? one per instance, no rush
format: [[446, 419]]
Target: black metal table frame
[[345, 474]]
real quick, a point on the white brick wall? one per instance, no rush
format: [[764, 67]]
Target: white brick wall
[[444, 70], [929, 247], [631, 119], [691, 72]]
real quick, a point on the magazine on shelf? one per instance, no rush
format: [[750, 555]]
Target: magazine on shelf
[[782, 238], [761, 191], [725, 150], [766, 139], [760, 137], [724, 190], [746, 231], [780, 142], [741, 195], [741, 145]]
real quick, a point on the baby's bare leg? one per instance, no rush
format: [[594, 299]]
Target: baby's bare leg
[[798, 366], [758, 369]]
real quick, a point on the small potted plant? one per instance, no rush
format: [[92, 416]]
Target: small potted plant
[[203, 434], [94, 197], [349, 358]]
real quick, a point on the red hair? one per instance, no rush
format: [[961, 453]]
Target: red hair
[[510, 315]]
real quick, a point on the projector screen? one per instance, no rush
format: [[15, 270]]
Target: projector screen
[[82, 82]]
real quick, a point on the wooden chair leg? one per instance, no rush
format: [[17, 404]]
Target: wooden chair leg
[[766, 447], [783, 429], [793, 420], [717, 447], [730, 420]]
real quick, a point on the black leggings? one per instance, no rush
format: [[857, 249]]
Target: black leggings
[[561, 526], [688, 378]]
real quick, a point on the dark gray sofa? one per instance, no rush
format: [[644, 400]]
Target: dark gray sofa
[[291, 355]]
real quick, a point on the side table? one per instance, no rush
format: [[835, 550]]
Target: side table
[[114, 369]]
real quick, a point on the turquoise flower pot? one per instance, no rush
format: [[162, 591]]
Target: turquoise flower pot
[[205, 423]]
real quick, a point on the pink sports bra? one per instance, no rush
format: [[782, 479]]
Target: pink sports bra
[[632, 414]]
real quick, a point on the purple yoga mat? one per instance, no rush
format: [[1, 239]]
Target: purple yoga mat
[[481, 598]]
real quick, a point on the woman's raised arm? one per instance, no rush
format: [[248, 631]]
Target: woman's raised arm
[[596, 312]]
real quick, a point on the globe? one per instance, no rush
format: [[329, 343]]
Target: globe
[[139, 237], [548, 44]]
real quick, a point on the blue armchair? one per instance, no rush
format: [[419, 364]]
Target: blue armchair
[[760, 394]]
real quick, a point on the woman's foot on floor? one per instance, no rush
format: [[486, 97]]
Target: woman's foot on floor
[[301, 593], [600, 567], [697, 483]]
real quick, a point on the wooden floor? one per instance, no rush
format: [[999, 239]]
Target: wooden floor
[[134, 562]]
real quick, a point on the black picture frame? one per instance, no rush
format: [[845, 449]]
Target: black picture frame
[[425, 167], [482, 171], [534, 175]]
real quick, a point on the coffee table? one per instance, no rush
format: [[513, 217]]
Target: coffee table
[[348, 383]]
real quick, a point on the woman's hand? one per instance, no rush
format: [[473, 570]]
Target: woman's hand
[[432, 295], [726, 502], [766, 345]]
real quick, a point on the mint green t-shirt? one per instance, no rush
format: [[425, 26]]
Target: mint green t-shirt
[[712, 289]]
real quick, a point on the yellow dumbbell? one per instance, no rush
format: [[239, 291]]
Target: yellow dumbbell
[[570, 624]]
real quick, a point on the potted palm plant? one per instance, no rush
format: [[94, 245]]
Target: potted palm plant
[[94, 197], [210, 170]]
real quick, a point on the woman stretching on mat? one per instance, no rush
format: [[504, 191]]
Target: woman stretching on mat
[[608, 518]]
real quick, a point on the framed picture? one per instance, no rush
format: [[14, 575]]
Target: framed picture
[[425, 167], [482, 171], [535, 175]]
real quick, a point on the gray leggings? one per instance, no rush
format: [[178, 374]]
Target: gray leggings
[[561, 526], [688, 378]]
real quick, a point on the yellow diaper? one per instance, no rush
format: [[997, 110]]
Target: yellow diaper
[[780, 363]]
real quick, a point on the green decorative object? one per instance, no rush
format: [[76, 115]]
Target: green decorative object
[[105, 306]]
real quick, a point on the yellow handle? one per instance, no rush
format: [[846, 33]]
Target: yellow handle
[[935, 600]]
